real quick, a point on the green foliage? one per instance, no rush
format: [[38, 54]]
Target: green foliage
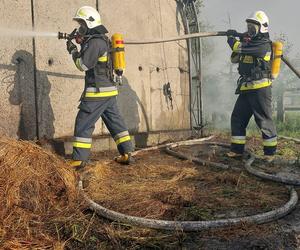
[[291, 125], [290, 128]]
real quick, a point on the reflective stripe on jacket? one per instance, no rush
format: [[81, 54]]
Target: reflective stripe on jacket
[[254, 62]]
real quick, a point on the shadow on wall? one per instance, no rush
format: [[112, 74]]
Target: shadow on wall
[[129, 102], [23, 94]]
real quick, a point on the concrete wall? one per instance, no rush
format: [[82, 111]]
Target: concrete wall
[[59, 84], [17, 116]]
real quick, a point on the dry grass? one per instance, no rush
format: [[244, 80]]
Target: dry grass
[[162, 187], [37, 196], [39, 207]]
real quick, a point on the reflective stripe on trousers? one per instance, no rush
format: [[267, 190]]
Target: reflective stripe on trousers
[[238, 139], [270, 142], [81, 142], [122, 137]]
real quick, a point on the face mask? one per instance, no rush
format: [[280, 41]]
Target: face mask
[[81, 33], [82, 30], [252, 29]]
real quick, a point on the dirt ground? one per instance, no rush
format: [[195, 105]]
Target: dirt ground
[[162, 187]]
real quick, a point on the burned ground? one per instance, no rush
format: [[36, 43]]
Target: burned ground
[[40, 207]]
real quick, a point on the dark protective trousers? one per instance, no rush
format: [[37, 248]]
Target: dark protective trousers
[[89, 113], [259, 104]]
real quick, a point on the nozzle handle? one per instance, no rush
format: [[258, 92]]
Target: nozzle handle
[[66, 36], [62, 35]]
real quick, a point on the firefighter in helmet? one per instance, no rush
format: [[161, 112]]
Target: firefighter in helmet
[[99, 98], [253, 53]]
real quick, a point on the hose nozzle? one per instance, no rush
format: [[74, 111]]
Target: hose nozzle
[[62, 35], [66, 36]]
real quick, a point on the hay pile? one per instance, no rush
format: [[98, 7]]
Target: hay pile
[[38, 196]]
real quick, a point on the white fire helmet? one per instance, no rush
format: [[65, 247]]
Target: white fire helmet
[[260, 18], [89, 15]]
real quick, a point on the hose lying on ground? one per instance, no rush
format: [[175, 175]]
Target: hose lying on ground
[[248, 164], [290, 138], [263, 175], [191, 225], [169, 151], [194, 225], [173, 144]]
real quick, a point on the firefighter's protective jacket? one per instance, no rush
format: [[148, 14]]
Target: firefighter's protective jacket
[[254, 62], [94, 58]]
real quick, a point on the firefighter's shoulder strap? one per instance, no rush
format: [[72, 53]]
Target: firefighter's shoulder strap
[[262, 65], [104, 64]]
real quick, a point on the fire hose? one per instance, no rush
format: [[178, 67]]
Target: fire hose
[[193, 225], [202, 35], [174, 39], [287, 62], [72, 35], [199, 225], [248, 165]]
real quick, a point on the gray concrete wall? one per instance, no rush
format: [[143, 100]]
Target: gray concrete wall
[[17, 105], [59, 84]]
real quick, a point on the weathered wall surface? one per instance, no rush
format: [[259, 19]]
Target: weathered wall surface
[[59, 84], [161, 63], [17, 102]]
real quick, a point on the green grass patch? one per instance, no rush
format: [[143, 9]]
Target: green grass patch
[[291, 125]]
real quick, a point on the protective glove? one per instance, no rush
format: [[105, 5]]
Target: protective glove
[[245, 38], [231, 40], [232, 33], [71, 47]]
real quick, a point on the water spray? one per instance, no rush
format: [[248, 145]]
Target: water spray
[[4, 32]]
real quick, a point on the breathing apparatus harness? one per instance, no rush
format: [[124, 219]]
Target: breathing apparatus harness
[[261, 68], [101, 68], [115, 64]]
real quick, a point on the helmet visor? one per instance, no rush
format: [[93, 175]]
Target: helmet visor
[[82, 29]]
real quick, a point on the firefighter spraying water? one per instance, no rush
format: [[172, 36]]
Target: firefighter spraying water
[[100, 58], [116, 51], [259, 64]]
